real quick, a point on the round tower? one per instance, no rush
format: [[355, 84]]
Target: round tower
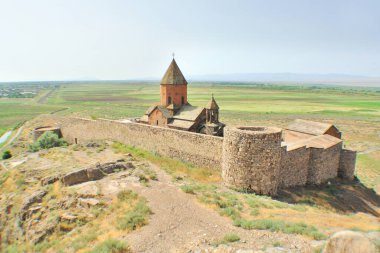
[[252, 158]]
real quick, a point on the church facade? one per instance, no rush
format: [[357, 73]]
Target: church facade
[[174, 110]]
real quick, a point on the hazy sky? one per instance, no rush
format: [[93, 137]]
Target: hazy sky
[[122, 39]]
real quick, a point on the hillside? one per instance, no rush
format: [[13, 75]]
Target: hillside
[[156, 204]]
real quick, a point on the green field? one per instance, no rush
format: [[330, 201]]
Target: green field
[[356, 111]]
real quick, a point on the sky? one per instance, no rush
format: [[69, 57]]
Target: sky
[[123, 39]]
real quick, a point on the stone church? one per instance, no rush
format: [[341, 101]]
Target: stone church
[[174, 110]]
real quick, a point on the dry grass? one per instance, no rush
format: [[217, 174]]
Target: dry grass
[[175, 168], [261, 212]]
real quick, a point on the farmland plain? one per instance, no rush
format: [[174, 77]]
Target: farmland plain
[[355, 111]]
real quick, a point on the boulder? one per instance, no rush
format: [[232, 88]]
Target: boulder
[[94, 174], [42, 230], [75, 177], [349, 242], [50, 180], [87, 190], [34, 198], [89, 202], [68, 217]]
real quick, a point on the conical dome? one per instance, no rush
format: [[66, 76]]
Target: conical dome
[[173, 75], [212, 104]]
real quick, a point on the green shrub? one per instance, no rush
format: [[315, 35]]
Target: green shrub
[[46, 141], [110, 246], [188, 188], [6, 155], [226, 239], [230, 212], [33, 147], [12, 249], [285, 227], [135, 218], [83, 240], [125, 195]]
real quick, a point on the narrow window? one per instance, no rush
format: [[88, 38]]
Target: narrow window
[[183, 100], [169, 100], [157, 123]]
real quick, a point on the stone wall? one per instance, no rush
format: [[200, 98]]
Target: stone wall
[[347, 164], [323, 164], [201, 150], [252, 158], [294, 167], [37, 132]]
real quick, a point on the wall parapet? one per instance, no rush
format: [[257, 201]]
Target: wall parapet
[[201, 150]]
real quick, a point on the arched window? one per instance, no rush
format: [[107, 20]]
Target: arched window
[[183, 100], [169, 100]]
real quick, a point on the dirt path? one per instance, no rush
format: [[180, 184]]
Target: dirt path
[[44, 98], [180, 223]]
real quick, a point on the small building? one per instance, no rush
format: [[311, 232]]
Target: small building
[[37, 132], [174, 110], [303, 129]]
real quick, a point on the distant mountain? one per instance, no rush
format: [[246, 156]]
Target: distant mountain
[[291, 78]]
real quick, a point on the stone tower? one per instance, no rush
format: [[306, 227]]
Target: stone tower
[[212, 111], [252, 158], [173, 88]]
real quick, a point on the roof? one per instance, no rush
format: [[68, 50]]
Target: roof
[[161, 108], [144, 118], [184, 124], [309, 127], [173, 75], [212, 104], [150, 109], [294, 136], [320, 141], [188, 112], [164, 111]]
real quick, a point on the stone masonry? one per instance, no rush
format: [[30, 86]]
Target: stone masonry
[[251, 158]]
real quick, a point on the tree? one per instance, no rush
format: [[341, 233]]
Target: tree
[[6, 154], [46, 141]]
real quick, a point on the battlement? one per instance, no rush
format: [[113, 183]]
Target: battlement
[[251, 158]]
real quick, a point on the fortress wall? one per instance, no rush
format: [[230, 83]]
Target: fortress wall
[[324, 164], [294, 167], [201, 150], [252, 158], [347, 164]]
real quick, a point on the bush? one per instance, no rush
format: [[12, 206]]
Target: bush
[[6, 154], [135, 218], [281, 226], [125, 195], [227, 238], [110, 246], [46, 141]]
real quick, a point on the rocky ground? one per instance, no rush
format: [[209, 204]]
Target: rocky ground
[[68, 200]]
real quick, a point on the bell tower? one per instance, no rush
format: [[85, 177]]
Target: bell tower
[[173, 87], [212, 111]]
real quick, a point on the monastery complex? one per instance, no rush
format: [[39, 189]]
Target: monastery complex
[[258, 159]]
